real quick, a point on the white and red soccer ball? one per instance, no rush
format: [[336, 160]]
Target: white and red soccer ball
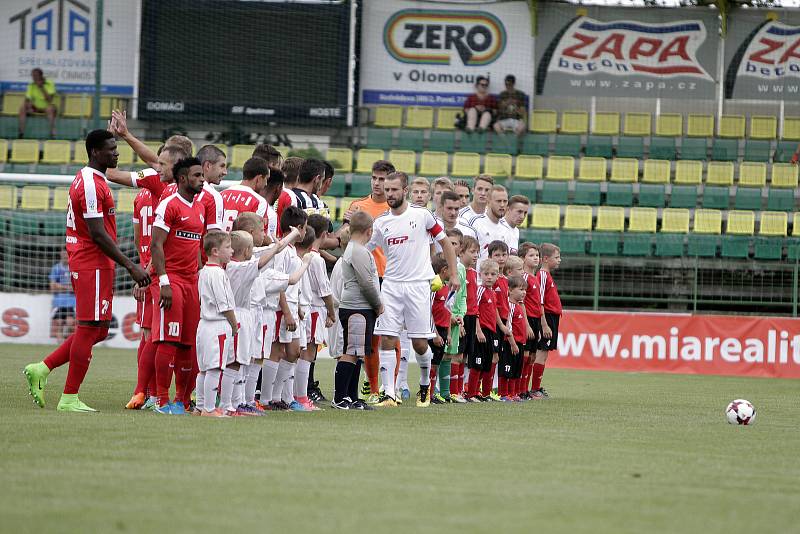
[[740, 412]]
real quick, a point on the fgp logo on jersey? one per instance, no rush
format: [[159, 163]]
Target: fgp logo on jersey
[[54, 25], [772, 53], [397, 240], [442, 37], [621, 48]]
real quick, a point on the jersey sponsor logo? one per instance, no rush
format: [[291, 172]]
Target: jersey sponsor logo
[[188, 235], [397, 240]]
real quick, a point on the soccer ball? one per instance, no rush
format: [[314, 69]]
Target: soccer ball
[[436, 284], [740, 412]]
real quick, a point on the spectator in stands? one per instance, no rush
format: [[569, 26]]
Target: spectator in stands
[[39, 98], [511, 109], [480, 107], [62, 321]]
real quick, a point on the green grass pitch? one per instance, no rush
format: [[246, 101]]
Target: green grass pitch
[[609, 453]]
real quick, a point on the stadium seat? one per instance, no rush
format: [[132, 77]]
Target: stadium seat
[[498, 164], [544, 121], [77, 106], [637, 244], [752, 174], [599, 146], [572, 242], [675, 221], [699, 125], [780, 199], [784, 151], [702, 245], [763, 127], [717, 198], [768, 248], [333, 202], [380, 138], [446, 118], [592, 169], [125, 199], [24, 151], [747, 198], [725, 149], [505, 144], [587, 193], [669, 125], [560, 168], [360, 185], [35, 197], [757, 151], [574, 122], [774, 223], [408, 140], [433, 164], [337, 189], [784, 175], [642, 220], [52, 223], [473, 142], [663, 148], [126, 154], [578, 217], [107, 103], [604, 243], [610, 219], [624, 170], [466, 164], [340, 158], [791, 128], [364, 160], [741, 222], [652, 196], [656, 171], [619, 195], [442, 142], [420, 117], [8, 197], [731, 126], [694, 148], [526, 188], [12, 102], [536, 145], [719, 173], [688, 172], [3, 150], [637, 124], [669, 245], [735, 246], [606, 123], [60, 198], [403, 160], [530, 167], [546, 216], [707, 221], [241, 153], [683, 196], [388, 116], [555, 192], [58, 153], [630, 147], [567, 145]]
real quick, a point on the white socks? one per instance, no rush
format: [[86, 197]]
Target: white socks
[[268, 374], [424, 362], [282, 374], [388, 363], [210, 387], [301, 379], [229, 376], [250, 383], [287, 395], [402, 372], [238, 388], [198, 389]]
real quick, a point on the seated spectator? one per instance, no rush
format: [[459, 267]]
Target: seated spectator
[[511, 109], [39, 98], [480, 107], [62, 320]]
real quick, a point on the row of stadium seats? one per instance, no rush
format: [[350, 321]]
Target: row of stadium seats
[[78, 106], [603, 123]]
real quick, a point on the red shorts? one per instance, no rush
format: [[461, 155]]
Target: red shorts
[[94, 293], [144, 311], [179, 323]]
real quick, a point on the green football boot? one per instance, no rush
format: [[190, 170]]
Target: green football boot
[[71, 403], [36, 375]]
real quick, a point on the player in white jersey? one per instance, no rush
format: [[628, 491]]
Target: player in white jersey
[[402, 233], [516, 214], [490, 225], [480, 197], [447, 216]]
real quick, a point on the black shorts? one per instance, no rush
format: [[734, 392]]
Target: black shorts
[[466, 343], [536, 325], [552, 343], [357, 328], [510, 365], [481, 357], [63, 313], [438, 352]]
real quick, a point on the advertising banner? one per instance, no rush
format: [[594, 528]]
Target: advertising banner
[[430, 53], [762, 55], [675, 343], [643, 53], [59, 38]]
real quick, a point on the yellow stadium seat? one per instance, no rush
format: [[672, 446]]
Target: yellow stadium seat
[[669, 125], [419, 117], [775, 223], [155, 145], [77, 106], [225, 150], [610, 219], [466, 164], [366, 157], [741, 222], [642, 220], [530, 167], [3, 150], [8, 197], [125, 199], [241, 153], [107, 103], [546, 216], [35, 197], [60, 198], [403, 160], [340, 158], [498, 164], [688, 172], [58, 152], [12, 102], [796, 224], [752, 174], [624, 170], [433, 164], [763, 127], [544, 121], [333, 205], [699, 125], [388, 116], [560, 168], [656, 171], [24, 151], [791, 129], [731, 126], [574, 122], [446, 118], [606, 123], [707, 221], [784, 175], [675, 221], [637, 124], [592, 169], [578, 218], [720, 173], [126, 154]]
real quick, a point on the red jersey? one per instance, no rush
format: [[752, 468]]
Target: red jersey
[[548, 293], [441, 315], [211, 200], [532, 306], [472, 291], [287, 198], [239, 199], [519, 323], [184, 223], [150, 179], [89, 198], [487, 304], [501, 296], [171, 189], [143, 209]]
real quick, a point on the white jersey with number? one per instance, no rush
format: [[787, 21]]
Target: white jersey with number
[[216, 295]]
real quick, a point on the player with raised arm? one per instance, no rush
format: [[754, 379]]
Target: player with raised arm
[[93, 251]]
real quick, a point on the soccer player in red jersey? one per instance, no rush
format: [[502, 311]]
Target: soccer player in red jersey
[[551, 306], [533, 308], [215, 167], [486, 343], [93, 251], [511, 368], [244, 197], [291, 173], [177, 230], [498, 251]]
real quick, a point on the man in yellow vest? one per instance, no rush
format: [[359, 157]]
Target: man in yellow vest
[[39, 98]]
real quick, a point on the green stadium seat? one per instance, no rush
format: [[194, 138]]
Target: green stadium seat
[[555, 192], [388, 116], [725, 149], [529, 167], [694, 148], [360, 185], [717, 198], [768, 248], [380, 138], [473, 142], [53, 224], [756, 151], [669, 125], [700, 125], [340, 158], [600, 146], [606, 123], [442, 142], [702, 245], [763, 127], [752, 174], [536, 145], [663, 148], [420, 117], [785, 151], [592, 169], [25, 223], [404, 160], [526, 188], [574, 122], [364, 160], [72, 129], [446, 118], [567, 145], [637, 244], [505, 144], [638, 124], [793, 250], [780, 199], [683, 196], [587, 193], [630, 147], [125, 229], [578, 217], [747, 198], [669, 245], [619, 195], [732, 126], [336, 190], [652, 196], [544, 121], [735, 246], [571, 242], [604, 244], [466, 164], [538, 235]]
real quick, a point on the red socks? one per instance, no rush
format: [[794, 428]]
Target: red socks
[[183, 372], [456, 378], [60, 356], [146, 367], [80, 355], [473, 382], [165, 356], [487, 377], [537, 372]]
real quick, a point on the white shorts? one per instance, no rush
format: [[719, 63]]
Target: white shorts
[[281, 334], [267, 332], [405, 305], [315, 332], [508, 124], [245, 344], [214, 345]]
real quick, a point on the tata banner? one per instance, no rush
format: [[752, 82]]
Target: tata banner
[[59, 38], [643, 53], [426, 53], [675, 343], [762, 55]]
